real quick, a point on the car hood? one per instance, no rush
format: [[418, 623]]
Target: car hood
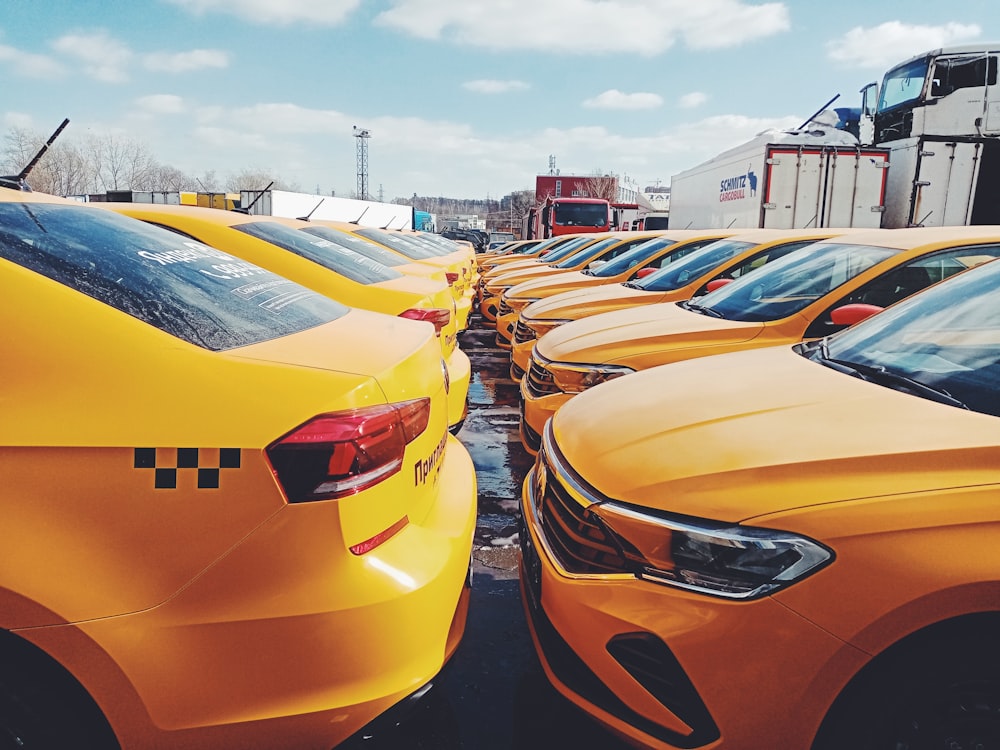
[[547, 286], [617, 336], [747, 434], [604, 298]]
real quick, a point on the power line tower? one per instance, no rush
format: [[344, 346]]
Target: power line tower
[[362, 134]]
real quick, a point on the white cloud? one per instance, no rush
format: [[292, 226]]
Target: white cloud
[[486, 86], [183, 62], [886, 44], [280, 12], [615, 99], [103, 57], [18, 120], [693, 100], [161, 104], [30, 65], [644, 27]]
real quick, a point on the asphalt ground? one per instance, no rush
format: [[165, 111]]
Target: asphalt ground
[[494, 695]]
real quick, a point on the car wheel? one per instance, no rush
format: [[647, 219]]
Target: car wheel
[[927, 695], [42, 707]]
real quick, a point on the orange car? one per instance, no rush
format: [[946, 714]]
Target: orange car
[[796, 297], [790, 547], [689, 276], [594, 251], [220, 500], [642, 259]]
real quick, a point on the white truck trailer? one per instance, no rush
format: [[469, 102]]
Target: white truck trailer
[[784, 180], [927, 153]]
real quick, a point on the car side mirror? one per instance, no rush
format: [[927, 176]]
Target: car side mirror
[[717, 284], [644, 272], [848, 315]]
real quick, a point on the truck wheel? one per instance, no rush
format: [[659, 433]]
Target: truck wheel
[[925, 696], [42, 707]]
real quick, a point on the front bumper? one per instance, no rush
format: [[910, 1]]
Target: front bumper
[[535, 412], [669, 668]]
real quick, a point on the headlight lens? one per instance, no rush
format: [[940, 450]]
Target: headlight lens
[[736, 562], [541, 327], [578, 378]]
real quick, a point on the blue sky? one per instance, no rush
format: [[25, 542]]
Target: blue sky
[[462, 98]]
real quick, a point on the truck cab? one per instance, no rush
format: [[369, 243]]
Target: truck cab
[[951, 91]]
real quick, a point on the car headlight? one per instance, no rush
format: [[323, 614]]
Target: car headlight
[[519, 303], [541, 327], [736, 562], [578, 378]]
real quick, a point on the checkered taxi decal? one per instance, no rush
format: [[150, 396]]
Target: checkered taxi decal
[[165, 464]]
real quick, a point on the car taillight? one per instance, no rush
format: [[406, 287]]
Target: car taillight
[[342, 453], [451, 277], [436, 315]]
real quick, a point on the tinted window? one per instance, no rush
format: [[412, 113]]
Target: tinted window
[[322, 251], [182, 287], [946, 338], [638, 253], [792, 283], [410, 249], [691, 267], [360, 245]]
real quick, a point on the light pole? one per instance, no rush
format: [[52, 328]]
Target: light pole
[[362, 134]]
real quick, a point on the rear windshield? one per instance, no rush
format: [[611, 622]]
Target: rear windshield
[[184, 288], [328, 254], [408, 247], [360, 245]]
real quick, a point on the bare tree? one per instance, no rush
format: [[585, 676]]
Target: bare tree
[[598, 186], [119, 163], [166, 179], [62, 170], [256, 179]]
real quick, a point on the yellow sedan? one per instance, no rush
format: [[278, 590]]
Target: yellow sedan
[[221, 500], [282, 246]]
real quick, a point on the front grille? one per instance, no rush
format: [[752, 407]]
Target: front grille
[[539, 380], [523, 332], [505, 308], [574, 535]]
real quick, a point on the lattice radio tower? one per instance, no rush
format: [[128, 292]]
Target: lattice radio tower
[[362, 134]]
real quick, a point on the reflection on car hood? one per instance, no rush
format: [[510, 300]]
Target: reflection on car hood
[[606, 297], [616, 336], [742, 435]]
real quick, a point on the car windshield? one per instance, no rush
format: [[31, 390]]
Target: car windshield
[[792, 283], [580, 214], [564, 249], [586, 254], [942, 344], [633, 257], [412, 250], [189, 290], [692, 266], [328, 254], [903, 84], [360, 245]]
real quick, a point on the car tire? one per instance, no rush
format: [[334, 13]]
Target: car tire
[[42, 707], [927, 692]]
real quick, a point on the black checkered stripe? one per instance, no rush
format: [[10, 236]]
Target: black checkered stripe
[[165, 467]]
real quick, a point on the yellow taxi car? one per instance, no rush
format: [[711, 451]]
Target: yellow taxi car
[[689, 276], [286, 248], [455, 260], [522, 248], [796, 297], [789, 547], [593, 251], [640, 260], [221, 500], [555, 249]]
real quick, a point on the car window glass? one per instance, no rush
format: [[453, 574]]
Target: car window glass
[[360, 245], [189, 290], [328, 254], [902, 281], [756, 261]]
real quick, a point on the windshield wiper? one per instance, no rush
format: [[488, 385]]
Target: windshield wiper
[[882, 376], [701, 309]]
